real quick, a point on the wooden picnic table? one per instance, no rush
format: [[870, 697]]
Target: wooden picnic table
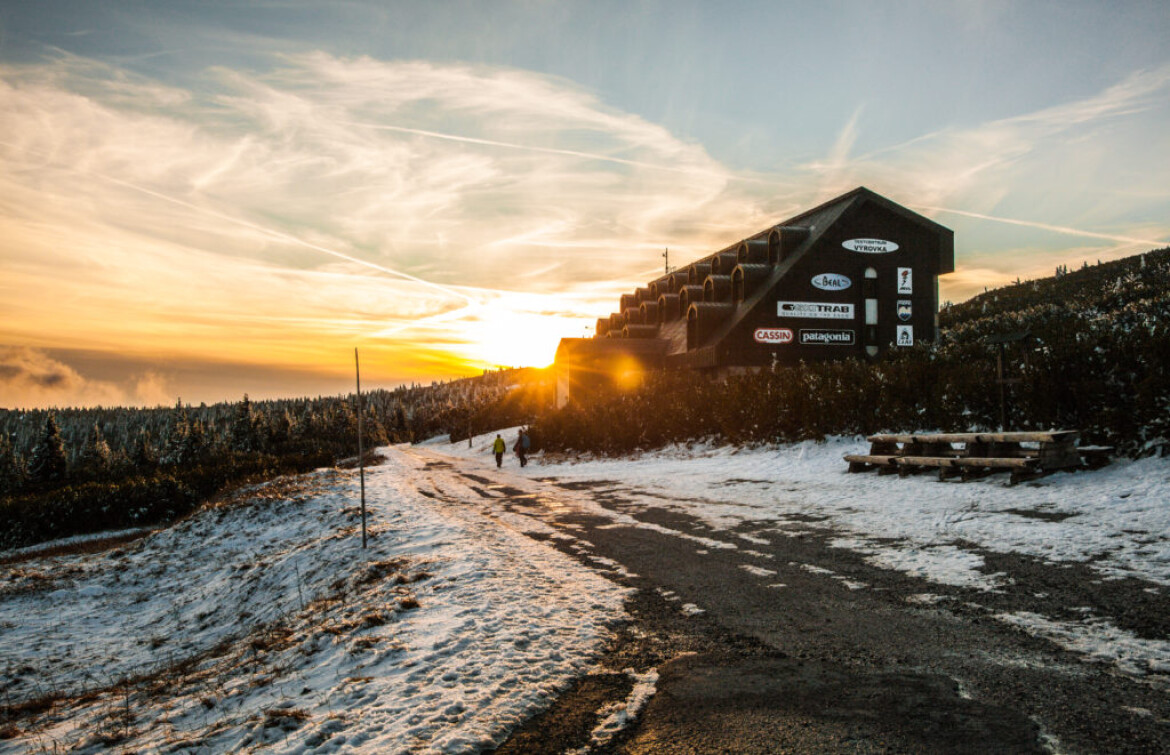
[[1024, 454]]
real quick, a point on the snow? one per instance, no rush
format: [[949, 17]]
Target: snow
[[447, 632], [620, 715], [1114, 520], [264, 623]]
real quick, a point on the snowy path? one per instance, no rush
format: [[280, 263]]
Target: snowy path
[[1114, 523], [266, 625]]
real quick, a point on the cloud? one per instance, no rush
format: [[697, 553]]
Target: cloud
[[1059, 168], [278, 215], [153, 389], [29, 378]]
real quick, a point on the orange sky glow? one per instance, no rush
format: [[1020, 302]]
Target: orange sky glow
[[241, 226]]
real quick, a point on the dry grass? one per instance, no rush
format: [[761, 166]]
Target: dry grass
[[372, 458], [297, 488], [74, 549], [283, 717]]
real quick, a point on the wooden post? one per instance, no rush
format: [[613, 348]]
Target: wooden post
[[361, 451]]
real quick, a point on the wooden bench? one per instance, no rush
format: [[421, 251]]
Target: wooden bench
[[1095, 457], [977, 454]]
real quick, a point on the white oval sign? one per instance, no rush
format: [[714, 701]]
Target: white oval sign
[[870, 246], [831, 282], [774, 335]]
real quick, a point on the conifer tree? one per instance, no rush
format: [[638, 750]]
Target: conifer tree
[[197, 441], [243, 434], [47, 463], [142, 455], [12, 468], [96, 456], [179, 447]]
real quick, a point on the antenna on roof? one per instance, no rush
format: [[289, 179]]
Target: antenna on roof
[[666, 257]]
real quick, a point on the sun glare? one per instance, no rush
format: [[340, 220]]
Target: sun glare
[[518, 339]]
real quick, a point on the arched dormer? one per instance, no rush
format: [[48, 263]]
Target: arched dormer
[[746, 277], [703, 318], [668, 309], [753, 251], [717, 288]]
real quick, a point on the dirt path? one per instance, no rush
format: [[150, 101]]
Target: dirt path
[[770, 643]]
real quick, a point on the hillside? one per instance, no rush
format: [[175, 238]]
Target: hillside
[[1100, 289], [261, 625], [1097, 359]]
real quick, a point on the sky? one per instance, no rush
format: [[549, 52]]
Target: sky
[[202, 200]]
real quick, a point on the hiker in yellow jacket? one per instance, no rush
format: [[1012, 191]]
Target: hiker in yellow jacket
[[498, 449]]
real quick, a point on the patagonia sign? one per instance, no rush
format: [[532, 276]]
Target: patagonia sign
[[773, 335], [827, 337], [831, 282], [820, 310], [870, 246]]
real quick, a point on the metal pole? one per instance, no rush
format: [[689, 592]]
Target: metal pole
[[361, 451], [999, 378]]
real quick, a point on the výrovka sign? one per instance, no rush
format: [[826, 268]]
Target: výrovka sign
[[870, 246]]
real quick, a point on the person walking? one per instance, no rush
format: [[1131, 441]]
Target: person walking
[[525, 443], [521, 451], [498, 449]]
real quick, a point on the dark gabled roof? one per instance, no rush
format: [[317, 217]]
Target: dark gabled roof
[[672, 336], [872, 196], [818, 220]]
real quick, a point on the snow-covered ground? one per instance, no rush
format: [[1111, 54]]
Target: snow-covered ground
[[1117, 519], [264, 623]]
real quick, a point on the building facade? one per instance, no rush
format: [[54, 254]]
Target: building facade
[[852, 278]]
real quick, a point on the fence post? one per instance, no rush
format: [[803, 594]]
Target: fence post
[[361, 451]]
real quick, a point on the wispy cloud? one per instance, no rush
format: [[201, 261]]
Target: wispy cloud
[[1078, 169], [1125, 240], [442, 216], [275, 215]]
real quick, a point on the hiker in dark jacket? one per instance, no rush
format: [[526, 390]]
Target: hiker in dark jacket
[[521, 448]]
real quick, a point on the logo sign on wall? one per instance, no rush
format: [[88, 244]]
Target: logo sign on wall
[[831, 282], [818, 310], [773, 335], [905, 335], [905, 312], [905, 280], [870, 246], [826, 337]]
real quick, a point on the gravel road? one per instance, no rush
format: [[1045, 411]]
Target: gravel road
[[783, 644]]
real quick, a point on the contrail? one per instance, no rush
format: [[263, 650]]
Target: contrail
[[281, 236], [1044, 226], [471, 304], [552, 151]]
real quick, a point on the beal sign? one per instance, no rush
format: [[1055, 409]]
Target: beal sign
[[870, 246], [831, 282], [774, 335]]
